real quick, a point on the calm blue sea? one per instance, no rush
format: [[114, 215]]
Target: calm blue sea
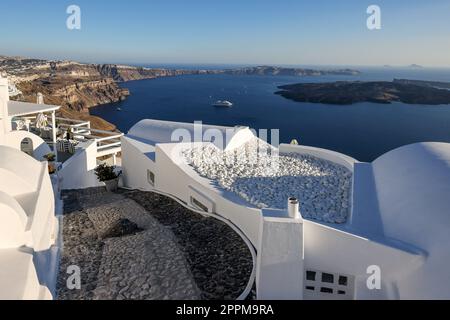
[[364, 131]]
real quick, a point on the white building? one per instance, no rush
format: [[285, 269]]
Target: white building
[[28, 228], [29, 196], [398, 226]]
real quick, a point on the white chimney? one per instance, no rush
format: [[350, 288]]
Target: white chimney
[[40, 98], [294, 208]]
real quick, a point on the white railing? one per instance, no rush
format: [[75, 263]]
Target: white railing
[[77, 126], [108, 142]]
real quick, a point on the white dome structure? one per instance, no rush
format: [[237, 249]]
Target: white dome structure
[[413, 190]]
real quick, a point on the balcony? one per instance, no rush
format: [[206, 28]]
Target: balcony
[[67, 135]]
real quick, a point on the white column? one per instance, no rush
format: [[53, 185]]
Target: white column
[[54, 126], [54, 134], [5, 121]]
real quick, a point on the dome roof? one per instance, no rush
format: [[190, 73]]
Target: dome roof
[[413, 190]]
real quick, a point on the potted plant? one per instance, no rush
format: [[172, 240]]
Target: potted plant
[[109, 176], [51, 157]]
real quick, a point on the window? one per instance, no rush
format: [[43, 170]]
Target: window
[[310, 275], [323, 285], [200, 201], [26, 145], [198, 204], [151, 177], [343, 281], [326, 290], [328, 278]]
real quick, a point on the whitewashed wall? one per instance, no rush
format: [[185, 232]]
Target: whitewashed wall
[[28, 224], [78, 171], [135, 164], [40, 147]]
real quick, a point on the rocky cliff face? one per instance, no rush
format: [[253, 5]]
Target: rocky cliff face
[[84, 95], [75, 98], [127, 73], [80, 95], [280, 71]]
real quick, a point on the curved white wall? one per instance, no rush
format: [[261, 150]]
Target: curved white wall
[[413, 187], [329, 155], [13, 223], [28, 224], [19, 173], [40, 147], [78, 171]]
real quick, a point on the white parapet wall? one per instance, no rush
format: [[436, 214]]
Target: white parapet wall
[[28, 225], [138, 164], [324, 154], [78, 171], [15, 138], [280, 263]]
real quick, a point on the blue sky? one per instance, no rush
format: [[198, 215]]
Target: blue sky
[[315, 32]]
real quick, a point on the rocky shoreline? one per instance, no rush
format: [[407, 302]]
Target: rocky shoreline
[[140, 245]]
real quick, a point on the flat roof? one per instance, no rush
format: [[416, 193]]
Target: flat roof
[[18, 108]]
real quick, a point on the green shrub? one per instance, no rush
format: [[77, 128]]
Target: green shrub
[[50, 157], [106, 173]]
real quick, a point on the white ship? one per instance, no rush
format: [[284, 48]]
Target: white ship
[[223, 103]]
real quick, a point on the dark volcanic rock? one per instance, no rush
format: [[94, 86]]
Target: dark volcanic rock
[[220, 261], [349, 92], [120, 228], [280, 71]]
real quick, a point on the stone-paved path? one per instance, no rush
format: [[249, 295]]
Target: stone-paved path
[[190, 258]]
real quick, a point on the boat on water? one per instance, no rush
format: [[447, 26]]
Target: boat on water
[[223, 103]]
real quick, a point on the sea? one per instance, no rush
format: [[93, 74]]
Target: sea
[[364, 131]]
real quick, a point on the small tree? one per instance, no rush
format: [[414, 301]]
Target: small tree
[[106, 173]]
